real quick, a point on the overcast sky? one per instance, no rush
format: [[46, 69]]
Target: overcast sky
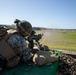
[[40, 13]]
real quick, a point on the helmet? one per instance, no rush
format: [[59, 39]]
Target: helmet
[[23, 26]]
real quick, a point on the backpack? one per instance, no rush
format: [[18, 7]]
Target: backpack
[[5, 50], [3, 30]]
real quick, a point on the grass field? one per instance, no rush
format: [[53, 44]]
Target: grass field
[[59, 39]]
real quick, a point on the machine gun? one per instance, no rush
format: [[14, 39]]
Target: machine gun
[[34, 43], [34, 39]]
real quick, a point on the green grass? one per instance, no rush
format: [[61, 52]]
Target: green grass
[[59, 39]]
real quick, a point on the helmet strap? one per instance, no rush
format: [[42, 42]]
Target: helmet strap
[[19, 24]]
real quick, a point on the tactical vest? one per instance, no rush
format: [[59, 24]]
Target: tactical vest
[[7, 52]]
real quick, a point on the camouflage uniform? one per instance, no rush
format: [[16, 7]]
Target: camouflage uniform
[[18, 43]]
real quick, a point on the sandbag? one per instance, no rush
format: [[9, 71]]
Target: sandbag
[[44, 57]]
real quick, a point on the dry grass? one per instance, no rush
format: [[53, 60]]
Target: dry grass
[[59, 39]]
